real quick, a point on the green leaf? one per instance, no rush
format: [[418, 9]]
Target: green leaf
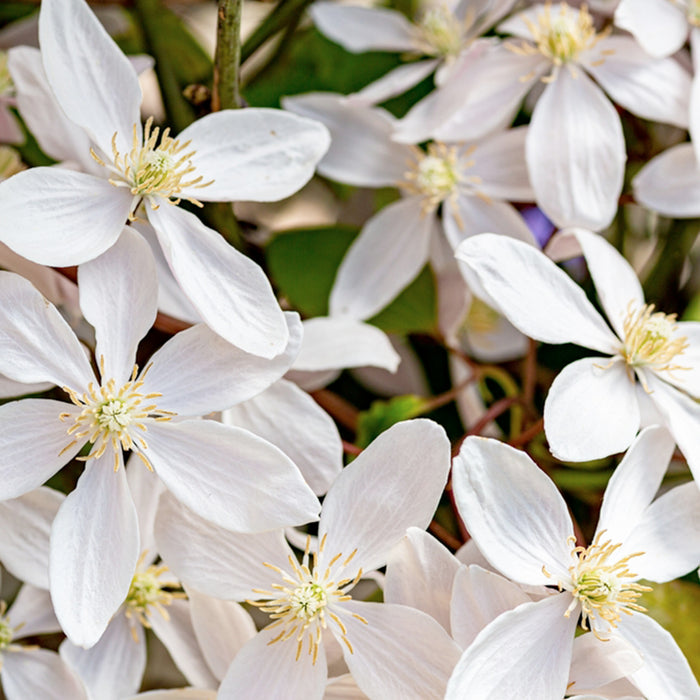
[[692, 311], [381, 415]]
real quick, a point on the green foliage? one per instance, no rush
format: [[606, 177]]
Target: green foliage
[[11, 11], [383, 414]]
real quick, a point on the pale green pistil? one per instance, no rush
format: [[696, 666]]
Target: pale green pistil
[[114, 415], [441, 31], [308, 600]]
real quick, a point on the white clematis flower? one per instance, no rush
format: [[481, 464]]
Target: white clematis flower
[[60, 217], [649, 356], [217, 470], [521, 524]]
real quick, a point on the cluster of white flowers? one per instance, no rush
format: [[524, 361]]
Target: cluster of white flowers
[[206, 499]]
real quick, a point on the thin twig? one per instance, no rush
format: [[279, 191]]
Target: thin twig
[[227, 60]]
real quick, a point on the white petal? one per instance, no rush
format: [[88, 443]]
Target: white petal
[[372, 503], [197, 371], [513, 511], [60, 217], [670, 183], [361, 151], [145, 488], [360, 29], [596, 663], [214, 561], [113, 668], [524, 654], [659, 26], [33, 610], [228, 289], [343, 688], [615, 280], [94, 548], [390, 251], [118, 294], [36, 343], [651, 88], [534, 294], [398, 652], [338, 343], [9, 388], [576, 153], [92, 79], [178, 694], [286, 677], [258, 155], [479, 597], [394, 83], [635, 482], [236, 467], [665, 674], [694, 126], [26, 525], [178, 636], [602, 396], [32, 441], [420, 572], [290, 419], [687, 379], [222, 628], [39, 673]]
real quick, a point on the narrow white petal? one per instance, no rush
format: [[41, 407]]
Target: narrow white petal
[[92, 79], [61, 217], [228, 289], [290, 419], [33, 610], [652, 88], [534, 294], [118, 295], [394, 83], [31, 442], [602, 396], [222, 628], [665, 674], [258, 155], [338, 343], [360, 29], [113, 668], [9, 388], [372, 503], [94, 548], [397, 652], [361, 151], [576, 153], [39, 673], [513, 511], [236, 466], [420, 573], [658, 25], [390, 251], [286, 677], [26, 526], [215, 561], [524, 654]]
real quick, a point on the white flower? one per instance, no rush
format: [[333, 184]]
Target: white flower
[[217, 470], [522, 526], [651, 358], [59, 217]]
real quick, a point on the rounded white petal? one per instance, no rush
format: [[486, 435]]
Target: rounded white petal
[[236, 466], [118, 295], [360, 29], [390, 251], [290, 419], [39, 673], [599, 392], [94, 549], [361, 151], [534, 294], [93, 81], [513, 511], [33, 610], [258, 155], [372, 502], [145, 488], [229, 290], [659, 26], [397, 652], [26, 525], [576, 153], [694, 126]]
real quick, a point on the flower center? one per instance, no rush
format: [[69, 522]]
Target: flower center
[[301, 606], [692, 11], [603, 584], [481, 318], [6, 631], [562, 37], [115, 417], [10, 162], [651, 339], [441, 31], [154, 167], [7, 86]]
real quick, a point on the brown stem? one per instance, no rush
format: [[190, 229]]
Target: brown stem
[[446, 537], [343, 411]]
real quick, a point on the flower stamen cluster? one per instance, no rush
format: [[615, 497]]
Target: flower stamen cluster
[[112, 416], [440, 31], [692, 11], [302, 604], [7, 633], [7, 86]]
